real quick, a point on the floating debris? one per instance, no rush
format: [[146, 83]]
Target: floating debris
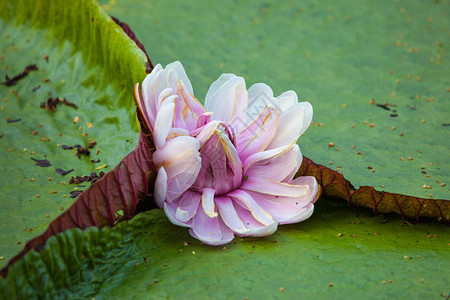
[[15, 79], [62, 172], [42, 162], [52, 102]]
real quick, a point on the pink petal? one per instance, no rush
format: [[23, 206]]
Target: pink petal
[[228, 99], [204, 119], [208, 202], [256, 229], [187, 206], [221, 166], [160, 187], [309, 181], [273, 187], [266, 155], [229, 215], [287, 210], [170, 211], [242, 197], [180, 183], [258, 134], [279, 167], [211, 231], [181, 160], [292, 123], [187, 109]]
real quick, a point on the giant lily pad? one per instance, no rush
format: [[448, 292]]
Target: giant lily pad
[[334, 254], [339, 55], [86, 69]]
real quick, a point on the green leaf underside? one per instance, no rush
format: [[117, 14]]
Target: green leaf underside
[[331, 53], [77, 71], [303, 259]]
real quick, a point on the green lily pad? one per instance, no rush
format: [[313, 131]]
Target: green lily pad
[[80, 66], [333, 254], [339, 55]]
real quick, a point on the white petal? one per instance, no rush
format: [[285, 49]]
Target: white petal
[[162, 96], [260, 95], [228, 100], [291, 124], [216, 85], [163, 124], [287, 100], [160, 187], [181, 74], [148, 94]]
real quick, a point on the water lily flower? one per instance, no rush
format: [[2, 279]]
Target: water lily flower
[[226, 168]]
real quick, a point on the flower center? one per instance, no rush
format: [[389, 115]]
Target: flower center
[[221, 168]]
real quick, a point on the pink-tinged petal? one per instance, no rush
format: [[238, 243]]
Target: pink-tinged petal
[[258, 134], [204, 119], [216, 85], [204, 133], [187, 206], [174, 132], [287, 210], [279, 167], [208, 202], [266, 155], [181, 160], [187, 109], [148, 94], [166, 93], [260, 95], [178, 155], [181, 75], [211, 231], [163, 124], [170, 211], [234, 160], [286, 100], [291, 124], [228, 100], [313, 187], [160, 187], [221, 166], [244, 198], [180, 183], [256, 229], [229, 215], [273, 187]]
